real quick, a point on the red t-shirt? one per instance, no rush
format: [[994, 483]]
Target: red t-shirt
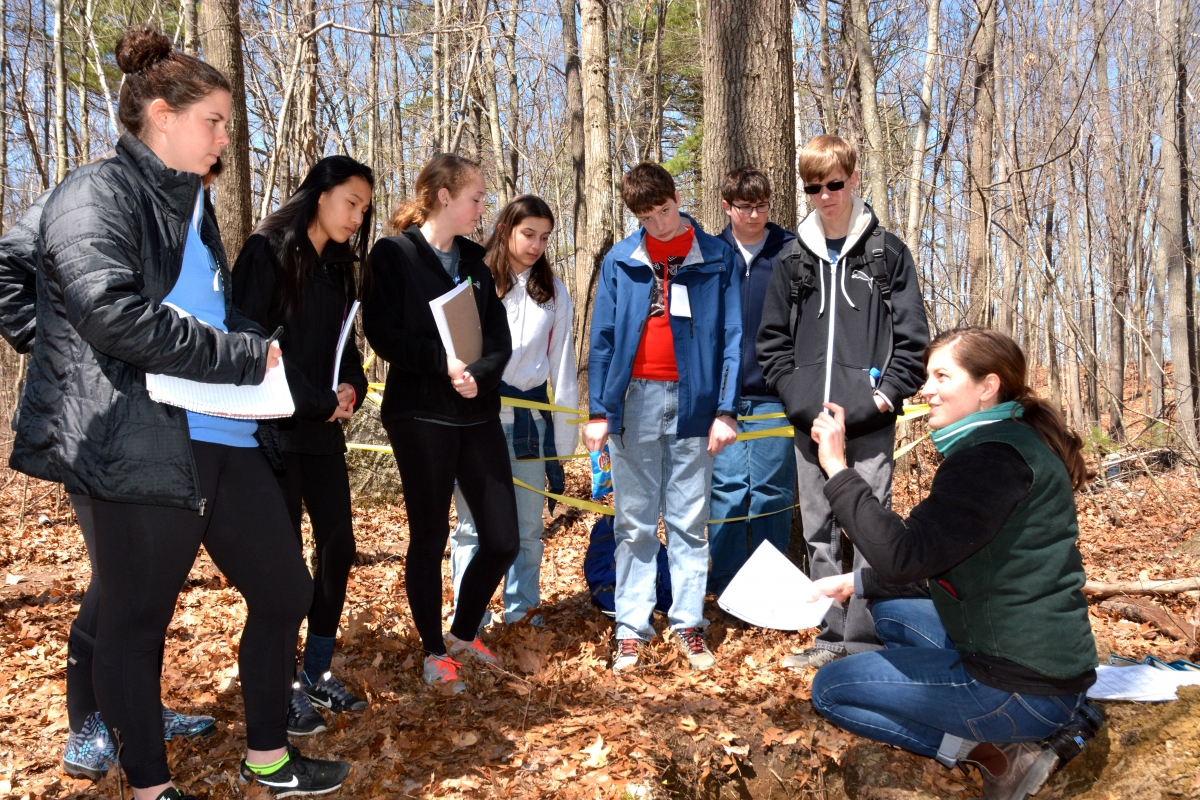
[[655, 359]]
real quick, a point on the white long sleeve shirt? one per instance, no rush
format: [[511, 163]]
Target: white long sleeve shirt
[[543, 349]]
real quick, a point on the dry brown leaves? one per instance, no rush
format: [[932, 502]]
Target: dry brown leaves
[[553, 722]]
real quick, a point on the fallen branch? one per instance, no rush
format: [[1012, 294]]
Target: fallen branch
[[1177, 586], [1145, 611]]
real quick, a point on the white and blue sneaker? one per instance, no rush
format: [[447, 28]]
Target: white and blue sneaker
[[91, 751]]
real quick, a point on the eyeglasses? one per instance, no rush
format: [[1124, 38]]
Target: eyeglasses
[[815, 188], [748, 211]]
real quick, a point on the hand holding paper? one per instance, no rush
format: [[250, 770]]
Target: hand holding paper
[[770, 592]]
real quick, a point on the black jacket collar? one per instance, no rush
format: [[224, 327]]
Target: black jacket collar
[[177, 190]]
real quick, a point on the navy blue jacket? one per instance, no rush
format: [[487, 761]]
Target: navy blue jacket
[[708, 345], [755, 278]]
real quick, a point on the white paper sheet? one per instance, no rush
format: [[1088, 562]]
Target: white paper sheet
[[345, 334], [770, 592], [1141, 683]]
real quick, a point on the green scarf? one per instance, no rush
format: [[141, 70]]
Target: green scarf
[[946, 438]]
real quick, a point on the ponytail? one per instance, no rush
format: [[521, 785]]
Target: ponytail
[[982, 352], [444, 171]]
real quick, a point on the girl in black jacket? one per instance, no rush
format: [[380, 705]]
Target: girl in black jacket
[[122, 238], [443, 416], [297, 271]]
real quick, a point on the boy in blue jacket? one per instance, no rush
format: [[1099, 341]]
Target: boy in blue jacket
[[753, 478], [663, 375]]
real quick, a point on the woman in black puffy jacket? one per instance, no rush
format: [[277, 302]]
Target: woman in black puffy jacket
[[135, 282]]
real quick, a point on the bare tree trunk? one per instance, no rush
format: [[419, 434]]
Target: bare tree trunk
[[656, 98], [979, 172], [912, 231], [1053, 378], [373, 89], [60, 94], [1170, 216], [306, 127], [85, 138], [446, 65], [748, 102], [1114, 202], [597, 160], [493, 109], [3, 108], [514, 99], [223, 49], [435, 51], [872, 124], [1158, 285], [191, 27], [581, 271], [827, 100]]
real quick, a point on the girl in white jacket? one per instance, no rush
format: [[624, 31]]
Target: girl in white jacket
[[543, 352]]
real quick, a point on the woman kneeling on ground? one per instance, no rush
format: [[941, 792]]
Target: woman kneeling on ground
[[999, 660]]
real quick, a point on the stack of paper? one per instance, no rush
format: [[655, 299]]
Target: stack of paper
[[268, 400], [1140, 684], [457, 321], [770, 592]]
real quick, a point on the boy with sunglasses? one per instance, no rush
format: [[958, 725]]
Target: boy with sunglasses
[[756, 477], [844, 322]]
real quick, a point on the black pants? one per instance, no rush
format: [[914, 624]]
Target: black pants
[[322, 485], [430, 457], [143, 555], [81, 642]]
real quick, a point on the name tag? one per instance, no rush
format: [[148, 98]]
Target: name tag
[[680, 305]]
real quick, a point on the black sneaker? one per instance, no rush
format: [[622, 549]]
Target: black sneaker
[[303, 719], [171, 793], [331, 693], [300, 775]]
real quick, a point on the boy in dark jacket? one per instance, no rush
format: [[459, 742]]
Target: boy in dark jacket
[[663, 376], [843, 322], [753, 478]]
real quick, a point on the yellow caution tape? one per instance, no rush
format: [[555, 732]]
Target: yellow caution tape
[[374, 448], [908, 447], [370, 360], [783, 431], [570, 501], [754, 516]]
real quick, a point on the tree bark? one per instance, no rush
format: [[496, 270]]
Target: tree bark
[[3, 108], [1114, 207], [829, 112], [912, 231], [979, 172], [60, 94], [1170, 215], [514, 99], [191, 27], [581, 275], [223, 49], [872, 124], [598, 194], [306, 128], [492, 99], [373, 89], [748, 112]]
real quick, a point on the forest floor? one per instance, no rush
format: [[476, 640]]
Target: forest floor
[[554, 721]]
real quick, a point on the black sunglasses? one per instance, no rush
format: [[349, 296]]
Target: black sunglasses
[[815, 188]]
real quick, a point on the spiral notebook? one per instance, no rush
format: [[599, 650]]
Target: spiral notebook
[[268, 400]]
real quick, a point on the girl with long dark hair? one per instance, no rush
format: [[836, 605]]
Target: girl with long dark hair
[[298, 271], [539, 322], [994, 668], [441, 414], [135, 281]]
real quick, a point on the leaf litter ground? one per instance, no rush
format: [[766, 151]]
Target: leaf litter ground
[[553, 722]]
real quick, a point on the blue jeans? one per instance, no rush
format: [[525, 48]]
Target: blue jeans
[[915, 694], [522, 582], [751, 477], [653, 473]]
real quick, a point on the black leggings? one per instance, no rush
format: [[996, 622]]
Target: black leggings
[[323, 484], [143, 555], [81, 642], [430, 456]]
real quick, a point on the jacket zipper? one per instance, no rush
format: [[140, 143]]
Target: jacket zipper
[[201, 501], [832, 319]]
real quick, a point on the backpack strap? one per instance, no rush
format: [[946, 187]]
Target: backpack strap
[[876, 261], [801, 277]]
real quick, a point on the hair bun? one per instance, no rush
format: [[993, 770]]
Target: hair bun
[[141, 47]]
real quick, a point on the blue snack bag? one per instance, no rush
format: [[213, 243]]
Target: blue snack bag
[[601, 473]]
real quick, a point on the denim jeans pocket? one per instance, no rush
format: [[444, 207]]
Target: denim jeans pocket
[[1021, 719]]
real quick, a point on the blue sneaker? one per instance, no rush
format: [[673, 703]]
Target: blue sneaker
[[186, 727], [90, 752]]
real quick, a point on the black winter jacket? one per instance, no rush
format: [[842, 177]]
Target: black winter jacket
[[399, 325], [20, 256], [114, 234], [842, 329], [309, 341]]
